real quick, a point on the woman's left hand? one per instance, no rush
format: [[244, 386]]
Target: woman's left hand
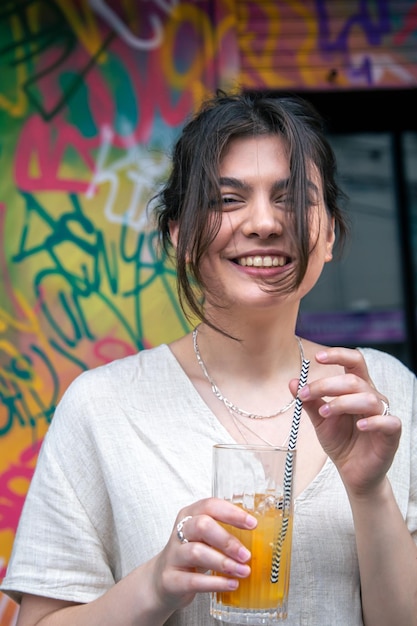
[[347, 413]]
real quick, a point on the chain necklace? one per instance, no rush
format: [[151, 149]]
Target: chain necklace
[[239, 425], [232, 408]]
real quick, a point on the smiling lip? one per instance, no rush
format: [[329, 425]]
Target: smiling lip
[[260, 260]]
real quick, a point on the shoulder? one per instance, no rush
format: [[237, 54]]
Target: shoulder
[[386, 366], [398, 383], [119, 388], [121, 373]]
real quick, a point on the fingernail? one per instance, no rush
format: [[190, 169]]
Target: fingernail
[[324, 410], [251, 521], [242, 570], [304, 393], [244, 554]]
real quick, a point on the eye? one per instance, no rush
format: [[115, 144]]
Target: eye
[[313, 200], [230, 202], [282, 202], [281, 199], [228, 199]]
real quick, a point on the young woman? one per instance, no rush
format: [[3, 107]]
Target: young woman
[[251, 209]]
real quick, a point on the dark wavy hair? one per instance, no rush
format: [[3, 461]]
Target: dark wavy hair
[[191, 195]]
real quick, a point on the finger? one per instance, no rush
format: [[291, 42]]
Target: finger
[[205, 557], [194, 582], [364, 404], [310, 404], [220, 510], [388, 425], [334, 386], [203, 529], [351, 359]]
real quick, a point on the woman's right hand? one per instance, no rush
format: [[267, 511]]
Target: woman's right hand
[[180, 569], [169, 581]]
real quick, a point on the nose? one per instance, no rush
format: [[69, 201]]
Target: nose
[[264, 219]]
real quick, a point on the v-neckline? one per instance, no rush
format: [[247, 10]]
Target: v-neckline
[[226, 437]]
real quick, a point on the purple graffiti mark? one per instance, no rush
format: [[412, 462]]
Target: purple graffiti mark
[[410, 26], [364, 70], [12, 500], [373, 29], [52, 32]]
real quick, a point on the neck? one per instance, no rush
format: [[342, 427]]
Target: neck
[[253, 354], [256, 326], [232, 408]]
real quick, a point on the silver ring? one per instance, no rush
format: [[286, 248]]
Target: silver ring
[[180, 526], [386, 410]]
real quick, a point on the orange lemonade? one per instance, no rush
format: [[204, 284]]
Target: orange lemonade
[[257, 591]]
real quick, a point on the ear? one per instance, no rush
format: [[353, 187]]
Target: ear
[[331, 236], [173, 232]]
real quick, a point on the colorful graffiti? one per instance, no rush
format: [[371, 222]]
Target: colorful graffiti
[[92, 95], [327, 45]]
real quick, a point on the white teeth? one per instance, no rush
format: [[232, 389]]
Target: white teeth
[[262, 261]]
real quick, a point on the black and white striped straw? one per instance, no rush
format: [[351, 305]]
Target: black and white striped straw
[[288, 472]]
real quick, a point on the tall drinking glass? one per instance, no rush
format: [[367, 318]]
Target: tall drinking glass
[[258, 479]]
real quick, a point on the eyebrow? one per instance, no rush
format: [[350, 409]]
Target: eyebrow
[[237, 183], [278, 186]]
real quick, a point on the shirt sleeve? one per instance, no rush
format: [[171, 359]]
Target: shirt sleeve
[[399, 384], [411, 517], [58, 550]]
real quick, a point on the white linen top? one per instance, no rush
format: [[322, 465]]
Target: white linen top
[[131, 443]]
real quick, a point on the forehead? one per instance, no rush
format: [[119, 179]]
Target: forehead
[[262, 156], [246, 152]]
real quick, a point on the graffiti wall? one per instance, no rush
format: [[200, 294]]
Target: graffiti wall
[[92, 95], [91, 98], [327, 44]]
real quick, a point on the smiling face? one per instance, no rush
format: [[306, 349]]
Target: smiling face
[[252, 253], [189, 210]]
